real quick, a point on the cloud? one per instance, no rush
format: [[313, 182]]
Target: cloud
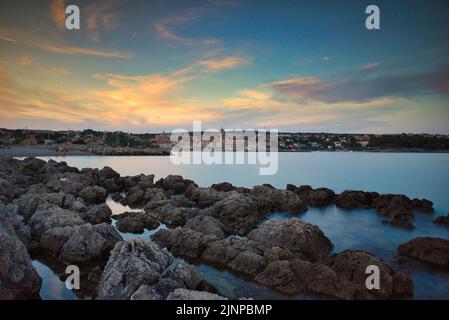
[[57, 11], [363, 87], [214, 65], [26, 61], [370, 66], [165, 26], [57, 72], [101, 17], [32, 40]]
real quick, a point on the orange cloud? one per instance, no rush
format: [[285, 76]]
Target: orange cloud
[[214, 65], [100, 16], [25, 61], [50, 46], [57, 10]]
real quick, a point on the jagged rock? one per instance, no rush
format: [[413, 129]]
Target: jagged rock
[[422, 205], [97, 214], [237, 211], [223, 187], [238, 254], [352, 199], [132, 263], [183, 241], [175, 183], [171, 212], [315, 197], [396, 208], [10, 219], [429, 250], [53, 217], [302, 239], [205, 197], [18, 278], [135, 222], [89, 242], [268, 199], [94, 194], [54, 239], [185, 294], [207, 225], [350, 266], [444, 220]]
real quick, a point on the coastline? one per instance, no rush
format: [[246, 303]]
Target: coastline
[[42, 151]]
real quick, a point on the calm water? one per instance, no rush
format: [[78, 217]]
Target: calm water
[[413, 174]]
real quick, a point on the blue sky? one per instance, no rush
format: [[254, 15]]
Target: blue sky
[[147, 66]]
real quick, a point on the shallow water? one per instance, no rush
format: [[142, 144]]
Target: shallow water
[[413, 174]]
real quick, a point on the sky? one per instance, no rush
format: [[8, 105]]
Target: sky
[[298, 66]]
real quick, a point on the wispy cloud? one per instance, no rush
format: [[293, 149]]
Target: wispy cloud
[[31, 40], [26, 61], [57, 11], [362, 86], [214, 65]]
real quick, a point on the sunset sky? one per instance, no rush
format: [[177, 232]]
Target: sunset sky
[[148, 66]]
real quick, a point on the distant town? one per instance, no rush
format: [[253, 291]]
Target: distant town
[[124, 143]]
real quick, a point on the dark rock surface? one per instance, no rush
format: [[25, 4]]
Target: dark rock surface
[[135, 222], [443, 220], [428, 250]]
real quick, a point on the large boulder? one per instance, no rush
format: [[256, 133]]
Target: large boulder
[[135, 222], [396, 208], [132, 263], [223, 187], [89, 242], [207, 225], [238, 212], [94, 195], [302, 239], [353, 199], [97, 214], [269, 199], [18, 278], [313, 197], [351, 265], [428, 250], [422, 205], [205, 197], [53, 217]]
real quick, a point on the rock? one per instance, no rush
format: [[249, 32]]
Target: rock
[[146, 292], [206, 197], [11, 220], [302, 239], [238, 212], [185, 294], [53, 217], [18, 278], [146, 182], [97, 214], [135, 222], [443, 220], [175, 183], [139, 197], [396, 208], [238, 254], [318, 197], [94, 194], [422, 205], [429, 250], [170, 212], [183, 241], [352, 199], [54, 239], [89, 242], [350, 266], [207, 225], [223, 187], [132, 263], [268, 199]]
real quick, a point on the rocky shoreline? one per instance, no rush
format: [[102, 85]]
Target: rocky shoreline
[[59, 214]]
